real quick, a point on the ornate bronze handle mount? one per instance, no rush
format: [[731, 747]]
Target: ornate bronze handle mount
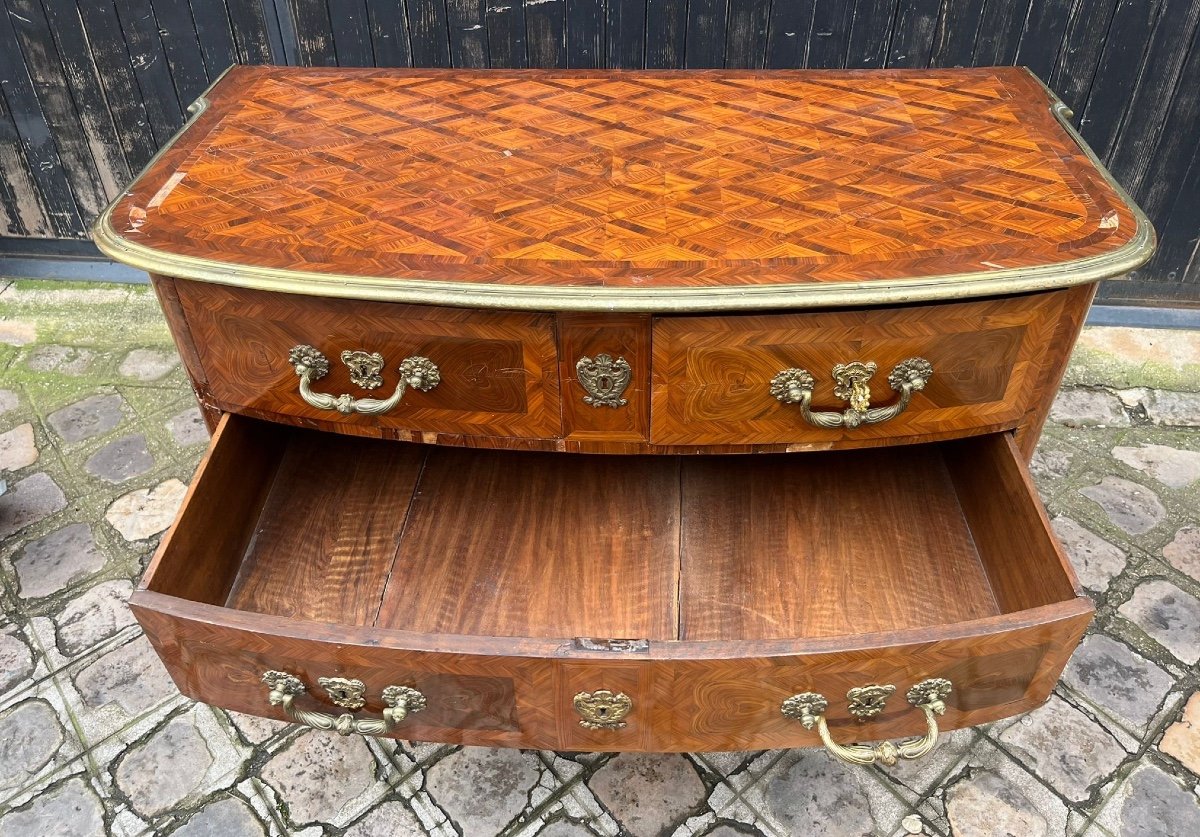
[[809, 709], [400, 701], [795, 386], [310, 365]]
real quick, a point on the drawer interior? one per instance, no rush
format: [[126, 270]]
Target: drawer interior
[[346, 530]]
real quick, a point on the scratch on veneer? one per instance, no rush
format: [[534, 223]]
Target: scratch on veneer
[[166, 189], [746, 609]]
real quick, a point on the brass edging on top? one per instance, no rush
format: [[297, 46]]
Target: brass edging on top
[[1128, 257]]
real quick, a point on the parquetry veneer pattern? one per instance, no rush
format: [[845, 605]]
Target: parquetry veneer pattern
[[626, 180]]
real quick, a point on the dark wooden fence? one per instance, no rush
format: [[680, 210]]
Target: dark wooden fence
[[92, 87]]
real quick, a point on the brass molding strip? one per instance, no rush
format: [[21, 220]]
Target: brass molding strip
[[1081, 271]]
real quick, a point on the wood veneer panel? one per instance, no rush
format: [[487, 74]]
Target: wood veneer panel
[[999, 667], [198, 558], [606, 179], [503, 544], [589, 335], [688, 696], [1076, 302], [181, 333], [499, 370], [1022, 556], [712, 374], [825, 545], [329, 529]]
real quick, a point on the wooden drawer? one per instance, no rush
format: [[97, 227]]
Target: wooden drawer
[[498, 370], [993, 362], [706, 590]]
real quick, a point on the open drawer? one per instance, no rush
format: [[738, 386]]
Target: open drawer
[[600, 603]]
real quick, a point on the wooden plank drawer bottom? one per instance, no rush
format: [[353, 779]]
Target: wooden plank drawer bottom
[[704, 590]]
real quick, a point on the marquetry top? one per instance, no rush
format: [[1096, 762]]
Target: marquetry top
[[629, 190]]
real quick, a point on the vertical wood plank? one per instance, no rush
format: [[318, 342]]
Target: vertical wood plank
[[789, 33], [957, 34], [1117, 72], [1177, 143], [546, 33], [214, 33], [389, 34], [150, 68], [83, 81], [314, 33], [666, 28], [913, 33], [36, 140], [1042, 36], [1137, 137], [626, 30], [1083, 42], [746, 33], [114, 66], [1179, 227], [35, 47], [1000, 27], [871, 32], [585, 34], [427, 33], [829, 39], [1191, 274], [20, 201], [467, 24], [506, 34], [705, 42], [182, 48], [350, 29], [255, 31]]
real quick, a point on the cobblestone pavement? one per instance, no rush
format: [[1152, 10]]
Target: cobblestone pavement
[[98, 435]]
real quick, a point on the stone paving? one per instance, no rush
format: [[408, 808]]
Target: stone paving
[[99, 435]]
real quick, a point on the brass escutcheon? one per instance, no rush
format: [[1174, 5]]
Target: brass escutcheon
[[604, 380], [344, 692], [603, 709], [853, 383], [364, 368], [868, 701]]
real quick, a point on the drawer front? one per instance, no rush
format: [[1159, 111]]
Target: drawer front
[[605, 377], [498, 370], [672, 705], [219, 657], [737, 705], [713, 376]]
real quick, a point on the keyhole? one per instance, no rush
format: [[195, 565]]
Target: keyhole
[[603, 710]]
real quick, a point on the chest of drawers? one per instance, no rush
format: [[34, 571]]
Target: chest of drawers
[[622, 411]]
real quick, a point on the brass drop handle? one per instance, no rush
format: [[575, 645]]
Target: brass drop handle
[[795, 386], [310, 365], [809, 709], [400, 701]]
